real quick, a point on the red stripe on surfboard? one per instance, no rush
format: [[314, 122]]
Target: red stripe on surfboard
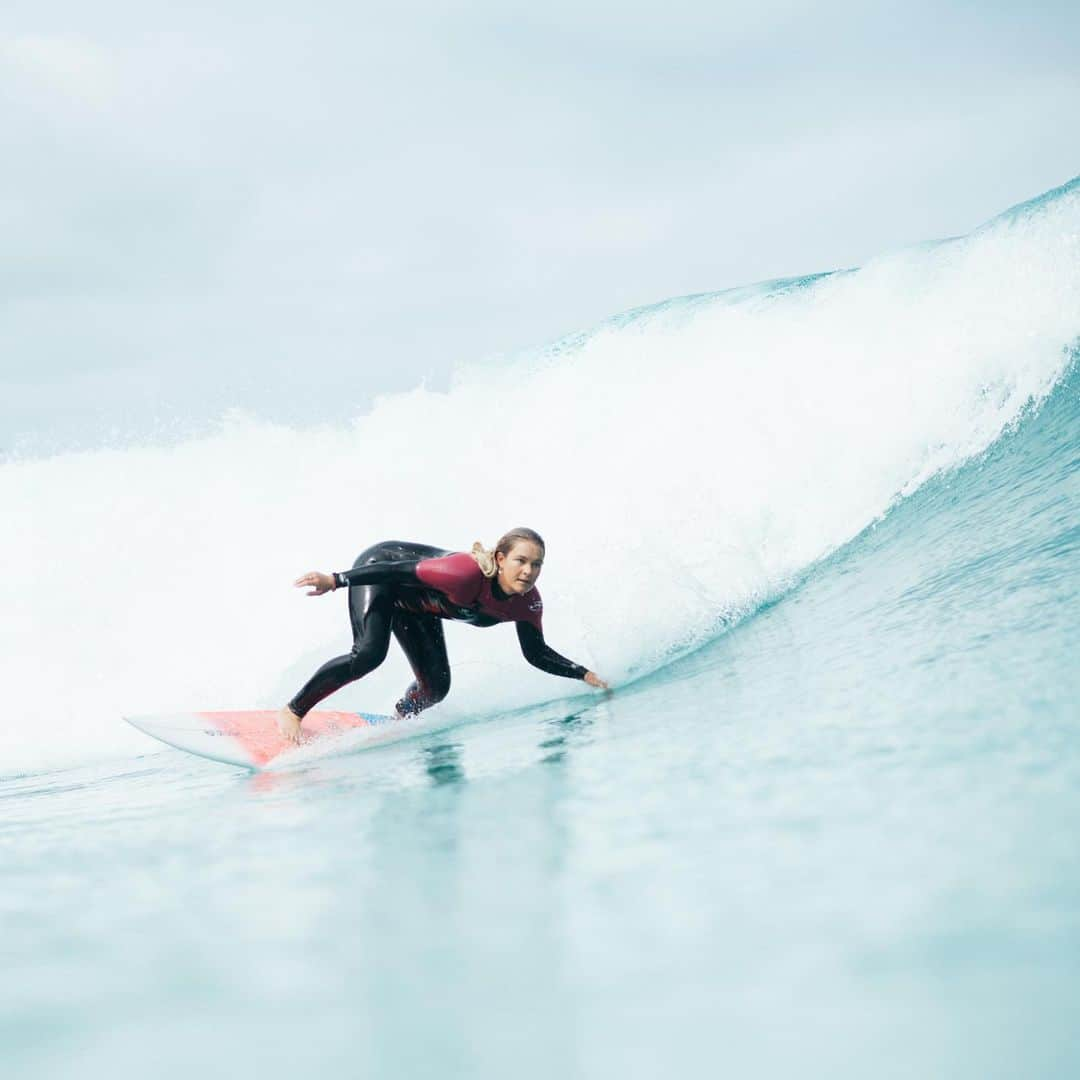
[[258, 732]]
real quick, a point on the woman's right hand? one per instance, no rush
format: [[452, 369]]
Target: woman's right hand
[[594, 680], [316, 583]]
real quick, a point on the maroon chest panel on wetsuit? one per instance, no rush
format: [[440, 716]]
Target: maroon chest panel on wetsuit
[[457, 589]]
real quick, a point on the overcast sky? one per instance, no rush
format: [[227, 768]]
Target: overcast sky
[[290, 209]]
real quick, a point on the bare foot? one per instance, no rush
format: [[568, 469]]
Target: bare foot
[[289, 724]]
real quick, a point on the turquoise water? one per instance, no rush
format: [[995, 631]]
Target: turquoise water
[[830, 835]]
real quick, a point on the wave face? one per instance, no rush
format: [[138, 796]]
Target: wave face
[[686, 463]]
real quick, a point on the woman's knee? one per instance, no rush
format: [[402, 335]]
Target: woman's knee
[[423, 694], [436, 687]]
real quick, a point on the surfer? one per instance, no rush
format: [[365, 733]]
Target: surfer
[[407, 590]]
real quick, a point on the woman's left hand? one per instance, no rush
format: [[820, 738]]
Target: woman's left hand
[[594, 680]]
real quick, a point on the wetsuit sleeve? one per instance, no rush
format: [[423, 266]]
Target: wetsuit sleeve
[[455, 575], [399, 571], [542, 656]]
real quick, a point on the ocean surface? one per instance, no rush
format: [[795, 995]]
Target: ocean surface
[[823, 537]]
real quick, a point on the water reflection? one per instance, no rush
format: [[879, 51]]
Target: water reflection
[[565, 727], [443, 763]]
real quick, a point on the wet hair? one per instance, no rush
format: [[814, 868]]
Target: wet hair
[[485, 559]]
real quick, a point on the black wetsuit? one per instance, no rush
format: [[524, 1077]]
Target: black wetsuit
[[406, 590]]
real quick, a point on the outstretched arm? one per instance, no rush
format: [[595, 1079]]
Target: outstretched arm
[[376, 573], [543, 656], [453, 573]]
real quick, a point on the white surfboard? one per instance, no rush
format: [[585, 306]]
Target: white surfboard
[[251, 739]]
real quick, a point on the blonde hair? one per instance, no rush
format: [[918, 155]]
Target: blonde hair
[[485, 559]]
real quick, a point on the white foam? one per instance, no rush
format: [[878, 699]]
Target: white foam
[[682, 465]]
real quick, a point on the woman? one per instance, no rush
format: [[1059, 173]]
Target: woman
[[406, 590]]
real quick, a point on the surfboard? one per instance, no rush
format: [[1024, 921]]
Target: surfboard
[[251, 740]]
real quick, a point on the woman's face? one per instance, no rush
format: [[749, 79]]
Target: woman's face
[[519, 567]]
